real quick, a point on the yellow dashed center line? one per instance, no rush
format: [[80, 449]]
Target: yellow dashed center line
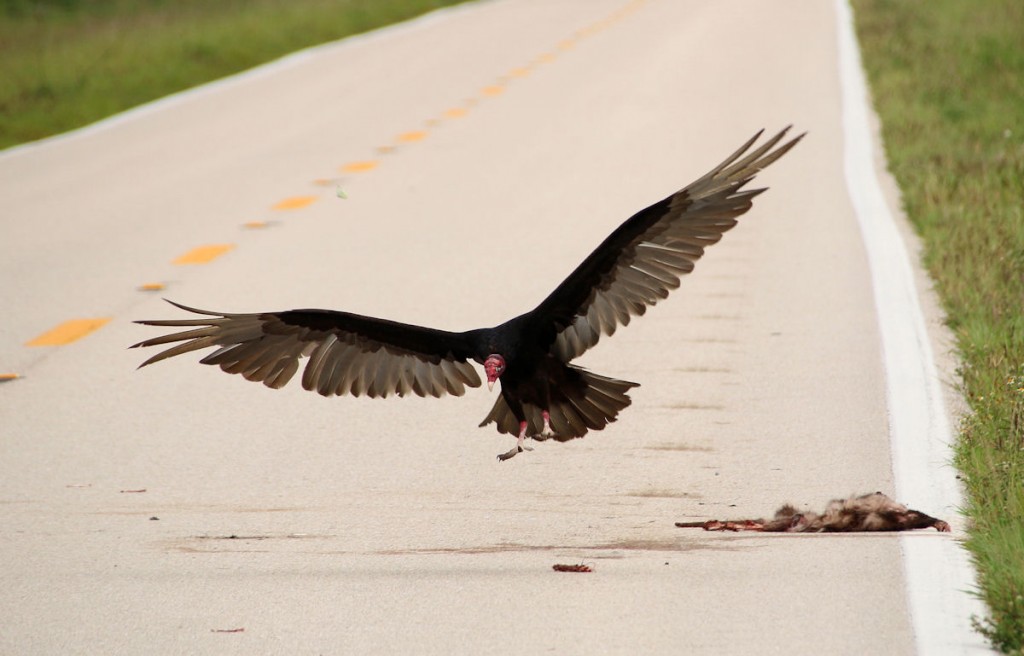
[[68, 332], [411, 137], [75, 329], [6, 377], [294, 203], [203, 254], [360, 167], [255, 225]]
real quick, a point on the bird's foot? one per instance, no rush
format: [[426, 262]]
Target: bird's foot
[[519, 447], [547, 432], [502, 457]]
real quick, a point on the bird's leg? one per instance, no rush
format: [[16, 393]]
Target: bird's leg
[[518, 448], [547, 432]]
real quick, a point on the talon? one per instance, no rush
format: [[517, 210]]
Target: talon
[[502, 457], [519, 447]]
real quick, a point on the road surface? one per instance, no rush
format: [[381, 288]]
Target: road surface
[[484, 151]]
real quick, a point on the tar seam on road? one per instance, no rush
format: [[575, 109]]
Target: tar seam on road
[[940, 579]]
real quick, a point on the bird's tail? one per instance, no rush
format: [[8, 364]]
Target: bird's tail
[[593, 402]]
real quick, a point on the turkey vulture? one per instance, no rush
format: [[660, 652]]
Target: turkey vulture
[[542, 394]]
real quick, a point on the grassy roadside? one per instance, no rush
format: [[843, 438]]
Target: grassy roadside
[[67, 63], [948, 81]]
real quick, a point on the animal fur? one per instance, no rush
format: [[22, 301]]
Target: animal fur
[[868, 512]]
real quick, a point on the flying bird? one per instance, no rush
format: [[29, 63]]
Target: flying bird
[[542, 394]]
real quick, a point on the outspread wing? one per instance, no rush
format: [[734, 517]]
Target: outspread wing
[[348, 353], [642, 261]]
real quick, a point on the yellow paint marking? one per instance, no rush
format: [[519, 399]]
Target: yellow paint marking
[[384, 150], [410, 137], [493, 90], [255, 225], [203, 254], [294, 203], [566, 45], [6, 377], [360, 167], [519, 72], [455, 112], [547, 58], [151, 287], [68, 332]]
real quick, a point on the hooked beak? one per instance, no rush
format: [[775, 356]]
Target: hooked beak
[[494, 365]]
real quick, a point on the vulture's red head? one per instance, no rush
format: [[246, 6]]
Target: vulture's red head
[[494, 365]]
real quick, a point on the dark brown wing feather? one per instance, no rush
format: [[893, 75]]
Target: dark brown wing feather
[[348, 353], [642, 261]]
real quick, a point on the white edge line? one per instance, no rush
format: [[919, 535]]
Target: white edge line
[[262, 70], [940, 578]]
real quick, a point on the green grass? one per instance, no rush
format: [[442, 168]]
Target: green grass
[[948, 81], [67, 63]]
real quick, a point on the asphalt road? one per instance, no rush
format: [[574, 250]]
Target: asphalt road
[[484, 152]]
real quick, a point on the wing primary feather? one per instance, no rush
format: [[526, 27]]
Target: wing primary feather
[[377, 379], [392, 367], [260, 366], [258, 371], [761, 158], [176, 337], [453, 377], [437, 386], [315, 365], [403, 384], [194, 345], [281, 373], [421, 381], [361, 374], [640, 262], [349, 368], [731, 158], [226, 315], [335, 367], [468, 373], [655, 272], [754, 156]]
